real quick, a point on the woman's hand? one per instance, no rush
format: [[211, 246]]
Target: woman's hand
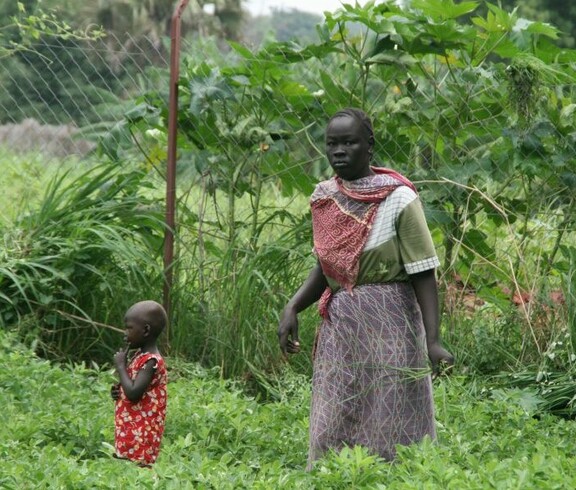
[[442, 361], [310, 292], [288, 332]]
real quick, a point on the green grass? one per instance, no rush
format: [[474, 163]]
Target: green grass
[[86, 251], [22, 181], [60, 431]]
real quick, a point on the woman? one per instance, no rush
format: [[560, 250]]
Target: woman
[[375, 279]]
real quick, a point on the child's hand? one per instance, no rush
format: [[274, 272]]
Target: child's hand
[[120, 359], [115, 391]]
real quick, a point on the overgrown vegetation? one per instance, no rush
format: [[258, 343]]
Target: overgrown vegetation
[[475, 105], [61, 431], [72, 262], [494, 170]]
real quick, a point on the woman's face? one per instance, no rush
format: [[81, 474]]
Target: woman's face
[[348, 149]]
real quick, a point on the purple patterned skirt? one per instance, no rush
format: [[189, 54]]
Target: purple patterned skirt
[[371, 384]]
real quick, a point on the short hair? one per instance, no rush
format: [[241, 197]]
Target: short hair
[[360, 116], [152, 313]]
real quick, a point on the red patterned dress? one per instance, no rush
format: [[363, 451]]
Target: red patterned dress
[[140, 425]]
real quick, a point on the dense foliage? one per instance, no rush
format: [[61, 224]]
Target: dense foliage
[[90, 245], [477, 108], [60, 435], [474, 104]]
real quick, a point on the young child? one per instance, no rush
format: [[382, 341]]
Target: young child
[[141, 393]]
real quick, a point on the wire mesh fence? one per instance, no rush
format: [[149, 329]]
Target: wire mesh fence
[[56, 87], [478, 141]]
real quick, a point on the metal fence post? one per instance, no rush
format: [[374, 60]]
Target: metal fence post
[[175, 41]]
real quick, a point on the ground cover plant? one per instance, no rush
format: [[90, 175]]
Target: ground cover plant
[[60, 433]]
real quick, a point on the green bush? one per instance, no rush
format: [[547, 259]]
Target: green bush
[[72, 264], [60, 435]]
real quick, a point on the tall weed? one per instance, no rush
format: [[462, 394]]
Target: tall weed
[[553, 375], [227, 307], [74, 263]]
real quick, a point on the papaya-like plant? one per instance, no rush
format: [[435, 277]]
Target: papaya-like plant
[[476, 108]]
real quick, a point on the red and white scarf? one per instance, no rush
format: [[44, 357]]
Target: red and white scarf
[[342, 222]]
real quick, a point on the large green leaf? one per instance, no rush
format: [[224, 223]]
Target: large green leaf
[[444, 9]]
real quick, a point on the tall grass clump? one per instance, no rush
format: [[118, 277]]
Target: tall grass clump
[[71, 264], [553, 377], [230, 293]]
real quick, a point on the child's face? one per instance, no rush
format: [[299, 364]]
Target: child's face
[[136, 330]]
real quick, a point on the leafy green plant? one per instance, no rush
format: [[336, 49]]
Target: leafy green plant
[[21, 28], [93, 235], [60, 435]]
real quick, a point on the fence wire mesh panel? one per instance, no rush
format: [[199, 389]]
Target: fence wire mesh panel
[[57, 87]]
